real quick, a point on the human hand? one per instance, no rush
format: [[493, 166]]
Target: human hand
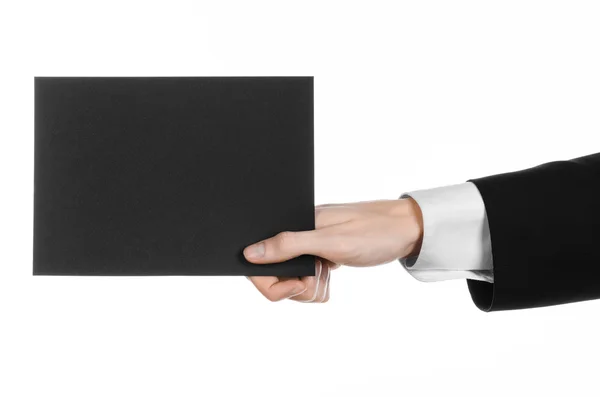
[[356, 234]]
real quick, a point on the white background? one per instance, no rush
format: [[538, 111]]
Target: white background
[[408, 95]]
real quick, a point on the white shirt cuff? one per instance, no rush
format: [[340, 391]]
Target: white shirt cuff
[[456, 236]]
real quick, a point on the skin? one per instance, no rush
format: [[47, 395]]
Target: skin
[[360, 234]]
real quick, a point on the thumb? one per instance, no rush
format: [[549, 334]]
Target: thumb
[[285, 246]]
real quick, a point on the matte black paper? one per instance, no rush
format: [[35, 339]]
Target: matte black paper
[[170, 176]]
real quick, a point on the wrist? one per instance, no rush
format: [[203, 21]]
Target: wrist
[[412, 225]]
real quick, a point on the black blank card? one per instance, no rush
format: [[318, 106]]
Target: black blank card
[[170, 176]]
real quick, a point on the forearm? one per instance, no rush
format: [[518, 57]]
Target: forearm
[[545, 228]]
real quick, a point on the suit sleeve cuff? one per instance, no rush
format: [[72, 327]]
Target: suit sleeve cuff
[[456, 236]]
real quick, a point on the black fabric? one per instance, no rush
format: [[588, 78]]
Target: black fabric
[[170, 176], [545, 234]]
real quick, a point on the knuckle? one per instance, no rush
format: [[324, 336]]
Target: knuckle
[[271, 297], [318, 215], [285, 240], [321, 211]]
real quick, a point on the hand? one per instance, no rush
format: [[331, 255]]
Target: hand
[[357, 234]]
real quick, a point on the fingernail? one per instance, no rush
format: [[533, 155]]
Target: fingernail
[[255, 251]]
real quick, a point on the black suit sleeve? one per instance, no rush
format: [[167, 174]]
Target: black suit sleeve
[[545, 233]]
